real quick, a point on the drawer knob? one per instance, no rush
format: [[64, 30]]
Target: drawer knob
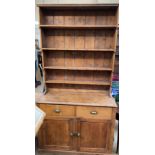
[[76, 134], [57, 111], [93, 112]]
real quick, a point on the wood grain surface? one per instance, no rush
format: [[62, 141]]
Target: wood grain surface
[[78, 50]]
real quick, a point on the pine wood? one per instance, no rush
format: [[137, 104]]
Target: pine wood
[[85, 50], [80, 39], [72, 42], [78, 82], [57, 110], [81, 6], [96, 132], [79, 26], [59, 152], [94, 135], [58, 132], [79, 68], [78, 44], [91, 98], [100, 112]]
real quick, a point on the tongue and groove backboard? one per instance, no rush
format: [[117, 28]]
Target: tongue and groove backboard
[[78, 44]]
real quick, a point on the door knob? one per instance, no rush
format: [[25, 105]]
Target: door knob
[[76, 134]]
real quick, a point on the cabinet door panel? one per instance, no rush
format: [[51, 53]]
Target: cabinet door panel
[[94, 135], [55, 134]]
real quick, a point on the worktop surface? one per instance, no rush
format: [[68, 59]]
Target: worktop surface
[[76, 98]]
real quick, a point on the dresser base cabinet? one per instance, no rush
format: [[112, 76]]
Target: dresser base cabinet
[[81, 134]]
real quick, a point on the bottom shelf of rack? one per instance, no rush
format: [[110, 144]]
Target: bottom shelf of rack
[[103, 83]]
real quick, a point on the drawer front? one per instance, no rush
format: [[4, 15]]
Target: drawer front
[[57, 110], [94, 112]]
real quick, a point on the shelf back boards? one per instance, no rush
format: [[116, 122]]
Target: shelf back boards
[[78, 46]]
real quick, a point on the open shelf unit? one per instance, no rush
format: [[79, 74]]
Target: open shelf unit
[[78, 45]]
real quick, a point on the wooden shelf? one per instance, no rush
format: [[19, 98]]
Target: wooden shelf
[[79, 68], [76, 98], [78, 82], [61, 49], [80, 6], [79, 26], [78, 46]]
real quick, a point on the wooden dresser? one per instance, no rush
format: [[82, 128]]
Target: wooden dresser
[[78, 44]]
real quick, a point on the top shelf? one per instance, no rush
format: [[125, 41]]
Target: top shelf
[[78, 5], [79, 26]]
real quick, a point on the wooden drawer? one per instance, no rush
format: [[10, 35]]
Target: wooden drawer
[[57, 110], [94, 112]]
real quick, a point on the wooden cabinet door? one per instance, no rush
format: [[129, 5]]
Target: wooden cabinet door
[[55, 134], [94, 135]]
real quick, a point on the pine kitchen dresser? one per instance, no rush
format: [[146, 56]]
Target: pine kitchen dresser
[[78, 44]]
